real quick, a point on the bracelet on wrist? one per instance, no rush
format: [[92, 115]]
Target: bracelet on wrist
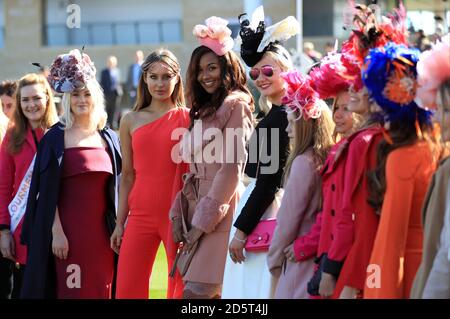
[[240, 240]]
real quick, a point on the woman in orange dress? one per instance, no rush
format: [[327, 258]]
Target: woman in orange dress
[[151, 176], [405, 165]]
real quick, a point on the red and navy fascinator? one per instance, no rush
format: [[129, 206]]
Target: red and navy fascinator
[[370, 30]]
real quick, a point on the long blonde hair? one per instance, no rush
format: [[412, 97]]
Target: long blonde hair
[[19, 122], [98, 115], [315, 133]]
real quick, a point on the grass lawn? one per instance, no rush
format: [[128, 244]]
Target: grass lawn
[[158, 281]]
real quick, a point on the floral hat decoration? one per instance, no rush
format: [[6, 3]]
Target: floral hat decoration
[[215, 35], [433, 69], [71, 71], [255, 38], [300, 96], [390, 75]]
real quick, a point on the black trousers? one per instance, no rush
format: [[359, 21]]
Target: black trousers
[[18, 272], [6, 278]]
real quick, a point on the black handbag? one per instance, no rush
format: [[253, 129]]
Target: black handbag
[[313, 284]]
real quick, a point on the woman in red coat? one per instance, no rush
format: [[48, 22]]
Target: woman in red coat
[[35, 113], [329, 82], [357, 222]]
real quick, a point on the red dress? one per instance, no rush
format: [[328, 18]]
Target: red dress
[[158, 178], [88, 270]]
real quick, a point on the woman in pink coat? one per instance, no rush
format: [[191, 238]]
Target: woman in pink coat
[[310, 129], [220, 104], [35, 112]]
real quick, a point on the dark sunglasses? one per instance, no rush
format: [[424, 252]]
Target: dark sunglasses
[[267, 70]]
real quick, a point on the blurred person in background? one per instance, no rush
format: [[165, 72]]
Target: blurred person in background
[[7, 95], [112, 89]]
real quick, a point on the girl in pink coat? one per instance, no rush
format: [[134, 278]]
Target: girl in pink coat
[[310, 129]]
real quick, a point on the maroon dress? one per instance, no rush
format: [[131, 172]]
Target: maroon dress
[[88, 270]]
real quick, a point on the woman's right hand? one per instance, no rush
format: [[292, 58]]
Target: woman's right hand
[[116, 238], [7, 247], [60, 245], [327, 285], [236, 247], [177, 230]]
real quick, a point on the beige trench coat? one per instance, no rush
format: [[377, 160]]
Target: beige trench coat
[[433, 221]]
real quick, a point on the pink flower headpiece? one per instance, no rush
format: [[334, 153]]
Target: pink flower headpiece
[[71, 71], [215, 35], [328, 79], [433, 69], [300, 95]]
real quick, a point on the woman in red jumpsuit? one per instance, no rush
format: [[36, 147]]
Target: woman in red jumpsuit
[[151, 176]]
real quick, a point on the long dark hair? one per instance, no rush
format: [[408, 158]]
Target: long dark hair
[[402, 133], [144, 98], [233, 77]]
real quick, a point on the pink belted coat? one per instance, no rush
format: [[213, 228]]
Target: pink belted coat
[[215, 151]]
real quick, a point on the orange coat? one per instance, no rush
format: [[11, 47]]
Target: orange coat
[[398, 244]]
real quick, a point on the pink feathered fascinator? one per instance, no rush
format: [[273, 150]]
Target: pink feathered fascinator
[[351, 66], [71, 71], [215, 35], [433, 69], [300, 95], [328, 79]]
